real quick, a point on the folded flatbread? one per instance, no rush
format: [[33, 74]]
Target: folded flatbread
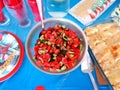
[[104, 40]]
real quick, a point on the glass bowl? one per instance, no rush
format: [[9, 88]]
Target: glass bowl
[[51, 22]]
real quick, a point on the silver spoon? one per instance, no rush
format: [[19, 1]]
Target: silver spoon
[[39, 4]]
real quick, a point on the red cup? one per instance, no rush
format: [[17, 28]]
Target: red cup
[[1, 5], [34, 8], [12, 3], [18, 10], [3, 19]]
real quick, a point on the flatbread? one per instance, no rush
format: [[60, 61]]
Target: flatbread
[[104, 40]]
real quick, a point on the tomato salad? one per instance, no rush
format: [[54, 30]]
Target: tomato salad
[[57, 48]]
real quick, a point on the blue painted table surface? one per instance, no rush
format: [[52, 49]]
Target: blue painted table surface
[[28, 77]]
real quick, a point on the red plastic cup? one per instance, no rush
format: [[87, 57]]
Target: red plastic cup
[[34, 9], [3, 18], [18, 10], [1, 5]]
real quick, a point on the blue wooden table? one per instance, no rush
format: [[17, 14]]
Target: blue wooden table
[[28, 77]]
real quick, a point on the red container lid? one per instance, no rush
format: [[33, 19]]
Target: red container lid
[[11, 54]]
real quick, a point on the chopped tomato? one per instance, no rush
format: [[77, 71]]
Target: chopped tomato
[[43, 32], [58, 41], [69, 64], [92, 16], [36, 47], [64, 60], [56, 48], [59, 58], [39, 63], [57, 26], [68, 47], [68, 55], [57, 66], [57, 51], [46, 56], [47, 68], [54, 34]]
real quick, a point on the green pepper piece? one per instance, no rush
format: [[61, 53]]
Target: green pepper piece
[[63, 68], [63, 52], [51, 58], [100, 3], [117, 13], [63, 26], [65, 38], [81, 46], [34, 58], [104, 1], [94, 5]]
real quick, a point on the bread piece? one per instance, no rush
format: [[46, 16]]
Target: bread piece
[[91, 31], [116, 86], [114, 77], [104, 40], [106, 26]]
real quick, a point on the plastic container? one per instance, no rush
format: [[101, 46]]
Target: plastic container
[[18, 10], [58, 8], [11, 54], [3, 19]]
